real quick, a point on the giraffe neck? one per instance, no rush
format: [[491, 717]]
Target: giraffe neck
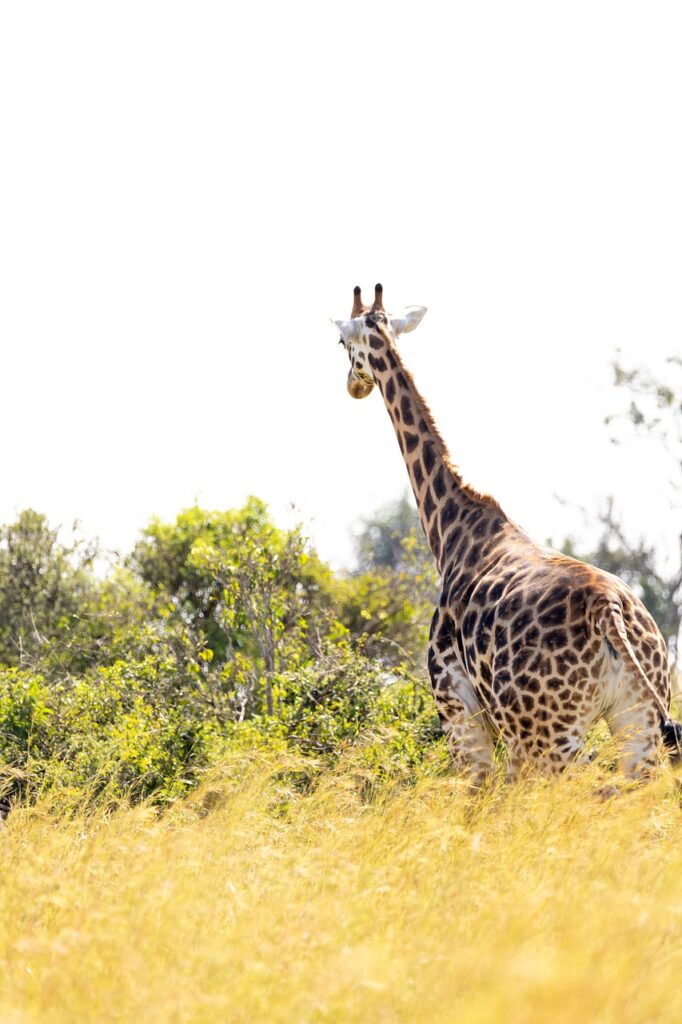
[[459, 523]]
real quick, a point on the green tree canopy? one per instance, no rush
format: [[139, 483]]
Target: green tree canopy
[[45, 587]]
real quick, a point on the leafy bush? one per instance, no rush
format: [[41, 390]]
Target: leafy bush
[[221, 633]]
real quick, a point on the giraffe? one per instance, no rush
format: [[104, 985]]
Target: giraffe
[[527, 646]]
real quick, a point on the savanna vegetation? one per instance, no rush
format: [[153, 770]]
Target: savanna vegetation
[[231, 800], [220, 632], [281, 890]]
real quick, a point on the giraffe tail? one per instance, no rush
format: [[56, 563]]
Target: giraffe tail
[[610, 619], [672, 738]]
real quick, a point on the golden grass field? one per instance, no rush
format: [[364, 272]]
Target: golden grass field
[[256, 901]]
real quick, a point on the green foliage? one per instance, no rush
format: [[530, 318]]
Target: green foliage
[[26, 716], [273, 594], [334, 699], [389, 610], [117, 730], [220, 632], [44, 587], [232, 577], [132, 728], [390, 600]]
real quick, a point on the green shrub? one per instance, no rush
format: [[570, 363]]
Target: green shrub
[[223, 633]]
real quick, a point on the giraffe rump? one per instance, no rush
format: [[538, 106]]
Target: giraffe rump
[[615, 631]]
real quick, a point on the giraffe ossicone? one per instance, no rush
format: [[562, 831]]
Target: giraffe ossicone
[[527, 645]]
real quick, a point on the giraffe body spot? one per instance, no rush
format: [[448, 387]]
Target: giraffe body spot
[[554, 616], [449, 512], [406, 411], [439, 487]]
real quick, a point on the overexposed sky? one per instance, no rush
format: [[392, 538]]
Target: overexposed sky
[[188, 191]]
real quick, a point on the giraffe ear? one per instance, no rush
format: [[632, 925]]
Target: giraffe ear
[[410, 319], [347, 328]]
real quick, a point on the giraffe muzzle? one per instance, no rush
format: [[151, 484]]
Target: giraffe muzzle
[[359, 387]]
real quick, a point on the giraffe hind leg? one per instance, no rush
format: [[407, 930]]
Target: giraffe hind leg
[[468, 740], [635, 726], [462, 717], [550, 759]]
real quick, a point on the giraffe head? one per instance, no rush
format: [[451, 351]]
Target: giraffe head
[[356, 333]]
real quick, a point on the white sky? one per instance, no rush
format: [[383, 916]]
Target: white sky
[[189, 190]]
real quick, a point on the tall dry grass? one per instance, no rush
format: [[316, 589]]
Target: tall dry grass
[[261, 899]]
